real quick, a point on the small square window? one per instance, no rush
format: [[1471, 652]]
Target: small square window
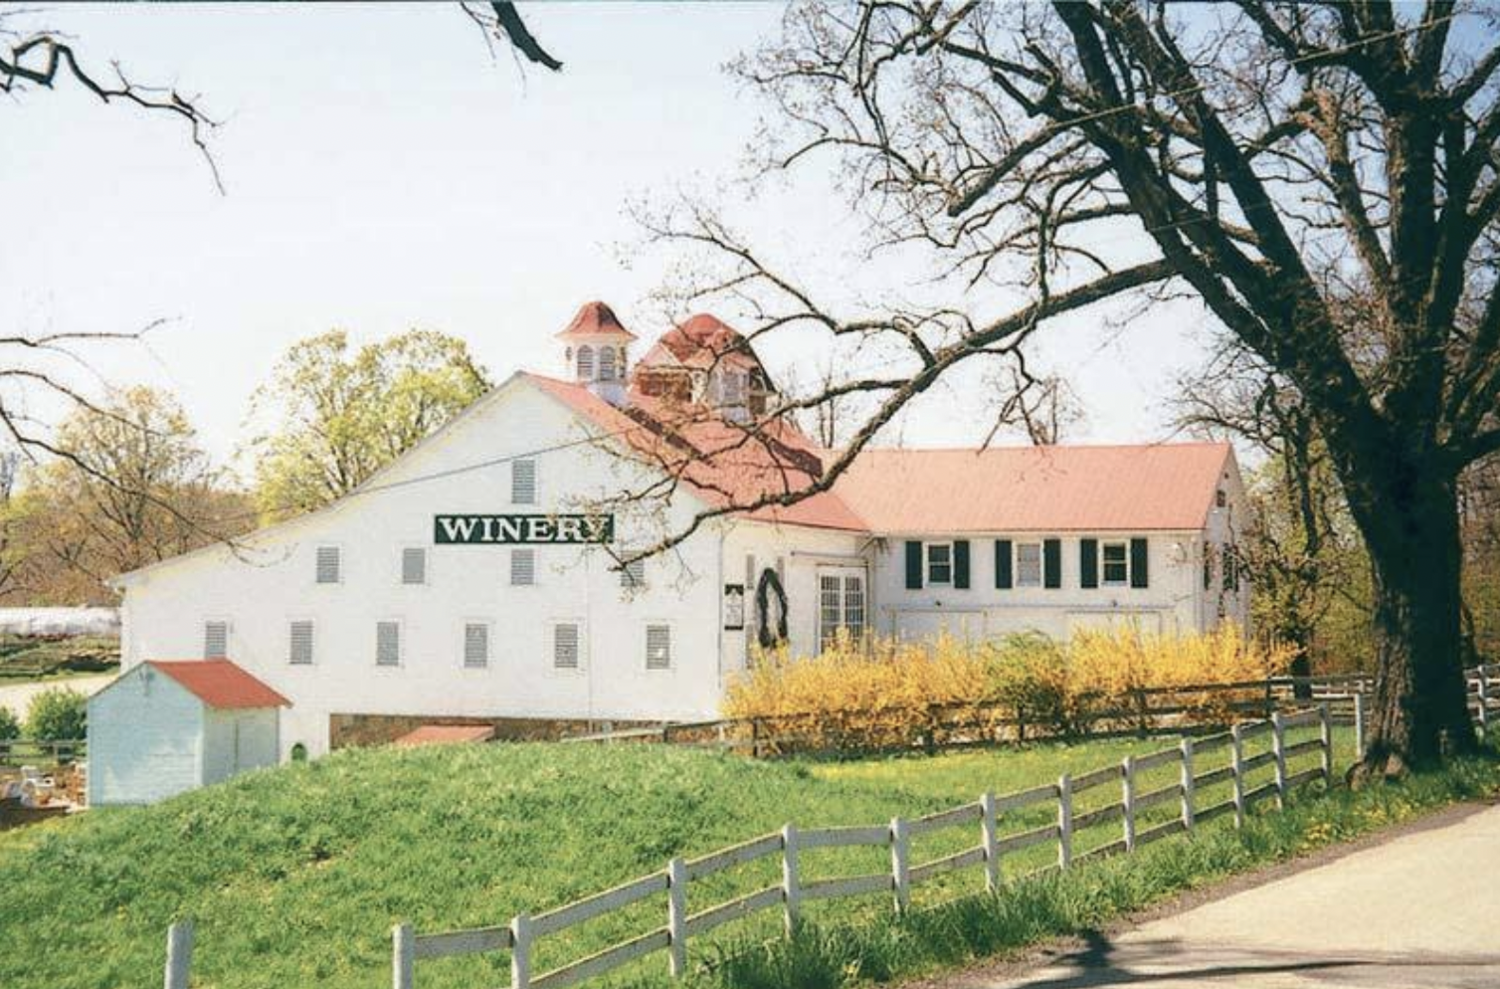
[[300, 646], [523, 482], [939, 563], [476, 645], [387, 643], [565, 646], [1116, 563], [413, 565], [523, 567], [1028, 564], [658, 647], [215, 640], [330, 565]]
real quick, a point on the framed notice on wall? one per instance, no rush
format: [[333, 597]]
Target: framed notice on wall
[[734, 607]]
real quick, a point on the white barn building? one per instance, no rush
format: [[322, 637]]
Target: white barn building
[[476, 577]]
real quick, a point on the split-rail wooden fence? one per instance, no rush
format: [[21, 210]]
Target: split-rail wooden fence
[[987, 814]]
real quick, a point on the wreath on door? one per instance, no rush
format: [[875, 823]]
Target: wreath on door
[[770, 610]]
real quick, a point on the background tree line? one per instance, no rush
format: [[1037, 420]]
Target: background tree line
[[128, 482]]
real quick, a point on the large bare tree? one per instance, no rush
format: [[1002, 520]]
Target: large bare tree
[[1321, 177]]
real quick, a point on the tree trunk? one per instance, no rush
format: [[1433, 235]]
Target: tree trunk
[[1421, 705]]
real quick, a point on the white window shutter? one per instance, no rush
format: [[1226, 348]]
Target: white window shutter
[[300, 647], [565, 646], [658, 647], [523, 567], [330, 569], [215, 640], [387, 643], [414, 565], [476, 645]]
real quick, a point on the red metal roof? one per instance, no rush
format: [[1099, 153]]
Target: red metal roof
[[1168, 486], [219, 683], [595, 319], [1036, 489], [702, 341], [444, 734]]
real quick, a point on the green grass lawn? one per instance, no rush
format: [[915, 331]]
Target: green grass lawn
[[295, 875]]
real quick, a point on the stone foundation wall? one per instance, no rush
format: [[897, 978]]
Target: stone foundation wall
[[351, 730]]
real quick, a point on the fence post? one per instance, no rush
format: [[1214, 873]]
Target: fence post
[[1484, 692], [1278, 747], [179, 954], [1359, 725], [989, 828], [520, 952], [403, 957], [1127, 800], [1188, 816], [677, 880], [1064, 821], [791, 892], [1237, 765], [901, 863], [1325, 737]]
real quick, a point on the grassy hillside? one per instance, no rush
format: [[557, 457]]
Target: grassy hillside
[[294, 876], [38, 657]]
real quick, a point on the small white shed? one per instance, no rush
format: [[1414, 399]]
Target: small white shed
[[164, 727]]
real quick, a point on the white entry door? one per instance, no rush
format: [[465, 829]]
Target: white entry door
[[841, 603]]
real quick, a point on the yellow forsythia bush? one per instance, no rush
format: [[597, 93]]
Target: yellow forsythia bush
[[886, 693]]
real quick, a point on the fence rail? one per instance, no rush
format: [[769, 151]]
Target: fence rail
[[988, 815], [27, 751]]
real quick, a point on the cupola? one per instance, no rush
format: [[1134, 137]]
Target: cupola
[[596, 349]]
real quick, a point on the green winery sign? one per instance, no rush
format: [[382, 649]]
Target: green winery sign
[[511, 529]]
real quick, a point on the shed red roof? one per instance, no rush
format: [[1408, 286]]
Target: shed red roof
[[1036, 489], [219, 683], [443, 734]]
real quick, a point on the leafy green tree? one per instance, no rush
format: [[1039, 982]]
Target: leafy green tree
[[10, 725], [58, 714], [337, 416]]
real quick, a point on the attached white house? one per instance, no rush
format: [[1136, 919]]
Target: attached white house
[[476, 577], [165, 727]]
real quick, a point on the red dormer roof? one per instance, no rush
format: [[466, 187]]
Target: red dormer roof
[[219, 683], [701, 341], [596, 319]]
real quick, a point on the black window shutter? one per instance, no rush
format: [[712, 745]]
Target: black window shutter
[[961, 564], [1052, 563], [1138, 574], [913, 565], [1003, 578], [1088, 563]]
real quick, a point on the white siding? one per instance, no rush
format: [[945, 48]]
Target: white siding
[[237, 740], [145, 739]]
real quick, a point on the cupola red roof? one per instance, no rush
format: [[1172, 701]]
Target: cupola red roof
[[596, 319]]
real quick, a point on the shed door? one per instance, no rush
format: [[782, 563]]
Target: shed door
[[841, 603]]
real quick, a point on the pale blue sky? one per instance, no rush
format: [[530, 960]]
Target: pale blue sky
[[382, 172]]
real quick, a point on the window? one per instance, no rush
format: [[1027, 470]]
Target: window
[[734, 388], [633, 574], [939, 563], [658, 647], [1208, 566], [387, 643], [413, 565], [1028, 564], [565, 646], [330, 565], [585, 363], [215, 639], [606, 363], [523, 482], [476, 645], [523, 567], [841, 605], [1231, 568], [1116, 563], [300, 644]]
